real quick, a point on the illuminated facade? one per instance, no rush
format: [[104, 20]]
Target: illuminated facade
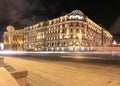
[[6, 40], [72, 32], [18, 40]]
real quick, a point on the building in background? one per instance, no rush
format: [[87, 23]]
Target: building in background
[[71, 32], [18, 40], [6, 41]]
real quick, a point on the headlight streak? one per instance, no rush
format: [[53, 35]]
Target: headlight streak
[[60, 53]]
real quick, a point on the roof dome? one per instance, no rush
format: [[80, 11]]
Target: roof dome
[[76, 12]]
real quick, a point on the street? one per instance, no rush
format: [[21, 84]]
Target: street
[[84, 70]]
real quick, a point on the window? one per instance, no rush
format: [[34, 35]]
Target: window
[[71, 30], [77, 30], [82, 25], [63, 31], [58, 31], [63, 43], [58, 44], [71, 36], [52, 44], [77, 24]]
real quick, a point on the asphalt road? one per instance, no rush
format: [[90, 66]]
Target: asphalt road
[[97, 58]]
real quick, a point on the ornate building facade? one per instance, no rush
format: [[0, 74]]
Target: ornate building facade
[[71, 32], [6, 40], [18, 39]]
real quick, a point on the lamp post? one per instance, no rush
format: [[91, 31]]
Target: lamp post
[[114, 43], [1, 46]]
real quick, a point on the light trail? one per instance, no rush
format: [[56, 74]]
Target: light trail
[[55, 52], [11, 52]]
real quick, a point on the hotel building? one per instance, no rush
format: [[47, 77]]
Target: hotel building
[[71, 32]]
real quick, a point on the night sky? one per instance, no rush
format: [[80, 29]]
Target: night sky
[[22, 13]]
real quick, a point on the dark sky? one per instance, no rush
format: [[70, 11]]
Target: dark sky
[[21, 13]]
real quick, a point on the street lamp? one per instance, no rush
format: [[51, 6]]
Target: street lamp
[[1, 46], [114, 43]]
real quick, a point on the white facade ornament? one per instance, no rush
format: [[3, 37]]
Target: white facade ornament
[[76, 14]]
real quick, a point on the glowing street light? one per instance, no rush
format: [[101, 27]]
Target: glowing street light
[[1, 46], [114, 42]]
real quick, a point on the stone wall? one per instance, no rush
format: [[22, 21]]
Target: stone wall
[[20, 76]]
